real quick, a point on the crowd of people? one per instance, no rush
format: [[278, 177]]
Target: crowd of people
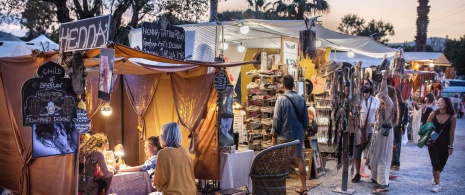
[[169, 164], [385, 120]]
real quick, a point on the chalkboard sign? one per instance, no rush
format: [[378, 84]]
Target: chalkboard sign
[[84, 34], [50, 98], [221, 81], [82, 122], [163, 40]]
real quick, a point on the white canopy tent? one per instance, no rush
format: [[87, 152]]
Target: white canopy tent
[[268, 34], [45, 43], [437, 58], [21, 48]]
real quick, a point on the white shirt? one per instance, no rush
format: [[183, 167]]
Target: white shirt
[[372, 115]]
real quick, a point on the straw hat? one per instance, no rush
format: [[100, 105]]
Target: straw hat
[[321, 71], [331, 66]]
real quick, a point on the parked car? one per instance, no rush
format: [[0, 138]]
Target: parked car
[[453, 86]]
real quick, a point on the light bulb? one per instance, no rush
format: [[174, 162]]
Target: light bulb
[[106, 109], [244, 29], [241, 48], [224, 46], [431, 64], [317, 43], [350, 54]]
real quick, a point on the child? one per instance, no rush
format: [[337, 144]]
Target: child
[[151, 147]]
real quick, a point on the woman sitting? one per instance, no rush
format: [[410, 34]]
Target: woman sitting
[[92, 166], [151, 147], [174, 170]]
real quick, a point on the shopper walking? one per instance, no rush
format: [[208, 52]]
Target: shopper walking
[[383, 137], [289, 122], [445, 122], [368, 110]]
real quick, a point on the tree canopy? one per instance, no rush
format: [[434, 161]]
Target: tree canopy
[[380, 31], [39, 16], [454, 50]]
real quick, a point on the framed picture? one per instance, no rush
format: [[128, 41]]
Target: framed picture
[[54, 139], [317, 160], [106, 73]]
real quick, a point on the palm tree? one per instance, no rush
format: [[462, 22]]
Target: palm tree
[[297, 9], [422, 25]]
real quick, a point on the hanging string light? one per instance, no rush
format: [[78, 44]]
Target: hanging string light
[[241, 48]]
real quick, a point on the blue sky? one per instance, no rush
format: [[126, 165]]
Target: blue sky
[[447, 17]]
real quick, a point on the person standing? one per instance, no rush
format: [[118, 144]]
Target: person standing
[[399, 130], [289, 122], [445, 122], [174, 170], [368, 110], [383, 137]]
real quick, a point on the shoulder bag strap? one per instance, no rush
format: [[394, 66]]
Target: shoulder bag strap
[[295, 108], [444, 124], [368, 113]]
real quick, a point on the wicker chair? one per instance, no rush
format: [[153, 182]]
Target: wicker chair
[[270, 168]]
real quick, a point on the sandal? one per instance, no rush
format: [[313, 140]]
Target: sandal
[[380, 190], [301, 192]]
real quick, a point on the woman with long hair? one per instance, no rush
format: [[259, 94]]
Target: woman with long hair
[[174, 170], [92, 166], [444, 120]]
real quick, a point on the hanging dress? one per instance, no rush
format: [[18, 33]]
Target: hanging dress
[[416, 123]]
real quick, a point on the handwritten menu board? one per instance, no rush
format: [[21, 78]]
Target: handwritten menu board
[[168, 42], [50, 98], [84, 34], [82, 122], [221, 81]]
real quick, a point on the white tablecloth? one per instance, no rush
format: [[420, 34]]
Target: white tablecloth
[[133, 183], [235, 168]]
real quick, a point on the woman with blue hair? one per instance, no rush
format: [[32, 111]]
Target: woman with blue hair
[[175, 170]]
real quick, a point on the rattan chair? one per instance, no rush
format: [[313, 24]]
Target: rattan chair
[[270, 168]]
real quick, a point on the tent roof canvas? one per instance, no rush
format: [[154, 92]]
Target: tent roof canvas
[[47, 43], [268, 33], [14, 48], [10, 37], [437, 58]]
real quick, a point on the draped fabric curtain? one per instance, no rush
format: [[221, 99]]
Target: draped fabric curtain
[[206, 160], [140, 90], [93, 103], [18, 167], [190, 99]]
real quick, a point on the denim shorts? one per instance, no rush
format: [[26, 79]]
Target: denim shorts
[[299, 151]]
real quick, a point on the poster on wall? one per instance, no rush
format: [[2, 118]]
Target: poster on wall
[[107, 61], [49, 98], [54, 139], [290, 57], [225, 136]]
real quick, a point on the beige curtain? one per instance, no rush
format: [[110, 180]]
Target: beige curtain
[[140, 90], [190, 98]]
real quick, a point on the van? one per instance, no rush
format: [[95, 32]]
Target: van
[[452, 87]]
